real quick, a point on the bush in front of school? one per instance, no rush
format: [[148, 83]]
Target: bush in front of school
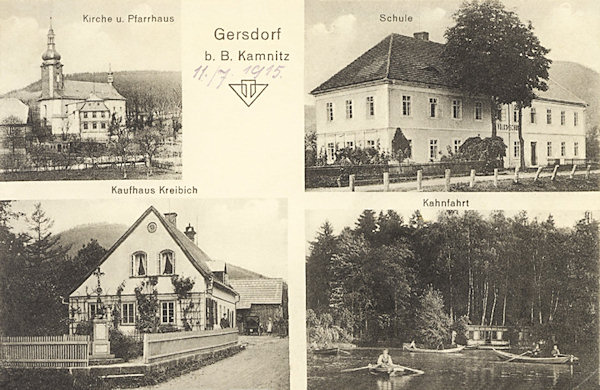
[[123, 346], [492, 150]]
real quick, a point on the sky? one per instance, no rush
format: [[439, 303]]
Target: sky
[[337, 32], [85, 47], [339, 219], [249, 233]]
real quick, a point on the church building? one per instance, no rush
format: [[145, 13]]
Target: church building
[[79, 108], [401, 82]]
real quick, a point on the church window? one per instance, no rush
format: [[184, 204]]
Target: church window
[[139, 264], [167, 262], [167, 312]]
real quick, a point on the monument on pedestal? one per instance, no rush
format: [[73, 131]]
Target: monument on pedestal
[[100, 341]]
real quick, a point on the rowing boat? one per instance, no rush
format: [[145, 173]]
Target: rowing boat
[[391, 371], [562, 359], [326, 351], [425, 350]]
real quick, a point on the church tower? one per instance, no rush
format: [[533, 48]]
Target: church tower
[[52, 75]]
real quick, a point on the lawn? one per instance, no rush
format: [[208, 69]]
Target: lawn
[[562, 183], [109, 173]]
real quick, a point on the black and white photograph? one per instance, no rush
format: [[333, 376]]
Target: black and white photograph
[[90, 90], [494, 95], [447, 299], [164, 294]]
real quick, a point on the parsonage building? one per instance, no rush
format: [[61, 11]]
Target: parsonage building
[[81, 108], [401, 83]]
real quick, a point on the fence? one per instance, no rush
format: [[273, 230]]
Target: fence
[[167, 346], [44, 351], [333, 176]]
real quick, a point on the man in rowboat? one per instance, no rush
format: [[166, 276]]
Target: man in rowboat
[[385, 361], [555, 351]]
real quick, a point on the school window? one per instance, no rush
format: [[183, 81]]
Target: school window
[[350, 144], [575, 119], [549, 149], [348, 109], [139, 264], [370, 143], [563, 118], [329, 111], [549, 116], [167, 312], [532, 114], [167, 263], [370, 106], [456, 109], [127, 315], [84, 114], [103, 125], [433, 102], [330, 149], [576, 149], [94, 114], [94, 125], [563, 149], [85, 126], [456, 145], [478, 110], [433, 149], [515, 115], [516, 148], [406, 105]]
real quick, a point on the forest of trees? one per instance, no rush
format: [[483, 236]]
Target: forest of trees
[[36, 273], [379, 279]]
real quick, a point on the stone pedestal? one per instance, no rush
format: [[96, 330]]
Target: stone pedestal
[[100, 343]]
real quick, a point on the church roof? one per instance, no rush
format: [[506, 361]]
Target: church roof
[[83, 89], [258, 292], [13, 107], [407, 59], [194, 254]]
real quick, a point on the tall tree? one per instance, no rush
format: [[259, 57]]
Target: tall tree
[[490, 52], [318, 268]]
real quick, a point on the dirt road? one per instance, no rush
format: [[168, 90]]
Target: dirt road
[[263, 365]]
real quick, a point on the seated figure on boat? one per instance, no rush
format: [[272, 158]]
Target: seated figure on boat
[[555, 351], [412, 344], [536, 350], [385, 361]]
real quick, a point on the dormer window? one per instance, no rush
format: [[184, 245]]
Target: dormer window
[[167, 263], [139, 264]]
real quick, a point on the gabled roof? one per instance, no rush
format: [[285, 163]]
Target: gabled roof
[[13, 107], [194, 254], [407, 59], [258, 292], [74, 89]]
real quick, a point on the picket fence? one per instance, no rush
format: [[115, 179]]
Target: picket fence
[[45, 351]]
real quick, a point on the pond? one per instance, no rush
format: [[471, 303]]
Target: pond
[[465, 370]]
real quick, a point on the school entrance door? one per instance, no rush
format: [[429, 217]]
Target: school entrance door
[[534, 153]]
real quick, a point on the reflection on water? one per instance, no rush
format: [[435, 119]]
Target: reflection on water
[[467, 370]]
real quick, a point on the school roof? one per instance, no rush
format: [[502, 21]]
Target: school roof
[[258, 292], [411, 60], [194, 254], [13, 108]]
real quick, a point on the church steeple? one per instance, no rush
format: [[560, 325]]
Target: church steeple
[[109, 77], [52, 77]]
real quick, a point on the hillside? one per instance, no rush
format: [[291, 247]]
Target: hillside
[[140, 88], [108, 233], [105, 233]]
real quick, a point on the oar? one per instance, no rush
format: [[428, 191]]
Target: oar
[[410, 369], [511, 359], [356, 369], [346, 352]]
